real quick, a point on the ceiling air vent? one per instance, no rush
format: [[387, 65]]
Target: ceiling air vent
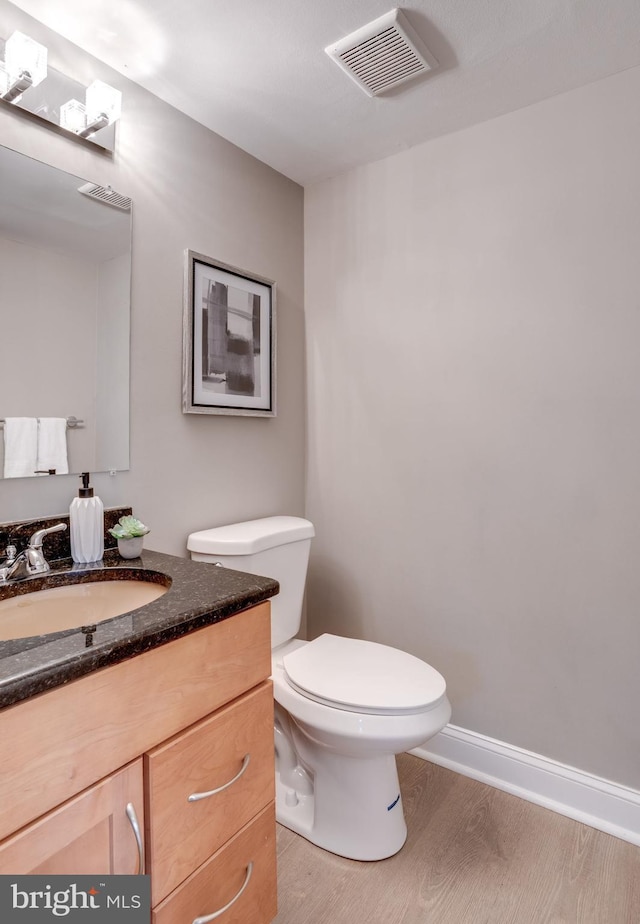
[[383, 54], [107, 195]]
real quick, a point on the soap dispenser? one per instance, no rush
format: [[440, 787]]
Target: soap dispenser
[[86, 518]]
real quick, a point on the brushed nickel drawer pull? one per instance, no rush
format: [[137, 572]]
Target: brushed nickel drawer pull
[[196, 796], [216, 914], [133, 819]]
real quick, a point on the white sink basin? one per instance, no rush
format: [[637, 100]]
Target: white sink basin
[[72, 606]]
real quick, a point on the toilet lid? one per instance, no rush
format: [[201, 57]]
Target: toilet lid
[[360, 676]]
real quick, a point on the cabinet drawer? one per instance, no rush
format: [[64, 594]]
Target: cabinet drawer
[[210, 755], [90, 834], [218, 881]]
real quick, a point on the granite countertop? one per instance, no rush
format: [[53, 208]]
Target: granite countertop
[[199, 594]]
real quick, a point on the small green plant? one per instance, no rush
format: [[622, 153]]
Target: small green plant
[[129, 528]]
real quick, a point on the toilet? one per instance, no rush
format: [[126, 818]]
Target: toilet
[[343, 707]]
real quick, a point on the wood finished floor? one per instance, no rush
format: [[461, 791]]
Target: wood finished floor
[[474, 855]]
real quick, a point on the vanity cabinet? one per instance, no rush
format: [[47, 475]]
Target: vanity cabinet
[[190, 718]]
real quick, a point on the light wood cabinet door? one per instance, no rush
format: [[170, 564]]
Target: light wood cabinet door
[[90, 834], [239, 880], [225, 764]]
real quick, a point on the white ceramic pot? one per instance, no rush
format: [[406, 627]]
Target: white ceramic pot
[[130, 548]]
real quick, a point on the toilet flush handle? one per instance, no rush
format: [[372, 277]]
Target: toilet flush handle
[[196, 796]]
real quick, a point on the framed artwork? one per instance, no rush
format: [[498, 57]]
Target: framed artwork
[[229, 340]]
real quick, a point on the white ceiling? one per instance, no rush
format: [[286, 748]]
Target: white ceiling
[[255, 71]]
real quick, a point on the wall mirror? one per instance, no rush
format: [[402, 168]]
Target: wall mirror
[[65, 284]]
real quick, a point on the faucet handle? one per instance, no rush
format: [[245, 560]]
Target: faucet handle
[[10, 553], [36, 540]]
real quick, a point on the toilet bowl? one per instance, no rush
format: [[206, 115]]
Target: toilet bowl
[[343, 707], [341, 791]]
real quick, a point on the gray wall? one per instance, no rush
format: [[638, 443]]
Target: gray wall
[[473, 319], [190, 189]]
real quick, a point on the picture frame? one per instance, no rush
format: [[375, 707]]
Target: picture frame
[[229, 340]]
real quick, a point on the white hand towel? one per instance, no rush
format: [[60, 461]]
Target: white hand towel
[[20, 446], [52, 444]]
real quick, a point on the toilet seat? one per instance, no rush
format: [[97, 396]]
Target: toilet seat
[[360, 676]]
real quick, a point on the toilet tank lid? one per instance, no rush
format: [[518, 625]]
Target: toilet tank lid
[[251, 536]]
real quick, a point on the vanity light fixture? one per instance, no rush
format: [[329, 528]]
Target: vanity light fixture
[[25, 66]]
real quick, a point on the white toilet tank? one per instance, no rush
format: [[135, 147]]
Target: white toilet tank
[[275, 547]]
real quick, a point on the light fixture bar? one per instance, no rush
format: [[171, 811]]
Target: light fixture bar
[[25, 67], [101, 122], [15, 91]]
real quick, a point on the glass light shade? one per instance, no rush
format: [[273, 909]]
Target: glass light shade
[[103, 100], [73, 116], [23, 54]]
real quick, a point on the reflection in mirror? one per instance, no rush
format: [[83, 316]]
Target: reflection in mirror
[[65, 271]]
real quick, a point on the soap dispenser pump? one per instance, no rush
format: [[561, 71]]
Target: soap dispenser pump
[[86, 518]]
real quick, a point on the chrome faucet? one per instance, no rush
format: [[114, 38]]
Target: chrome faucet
[[29, 561]]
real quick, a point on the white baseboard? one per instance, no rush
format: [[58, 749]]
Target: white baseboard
[[589, 799]]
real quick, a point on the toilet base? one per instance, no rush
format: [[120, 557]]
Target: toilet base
[[355, 809]]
